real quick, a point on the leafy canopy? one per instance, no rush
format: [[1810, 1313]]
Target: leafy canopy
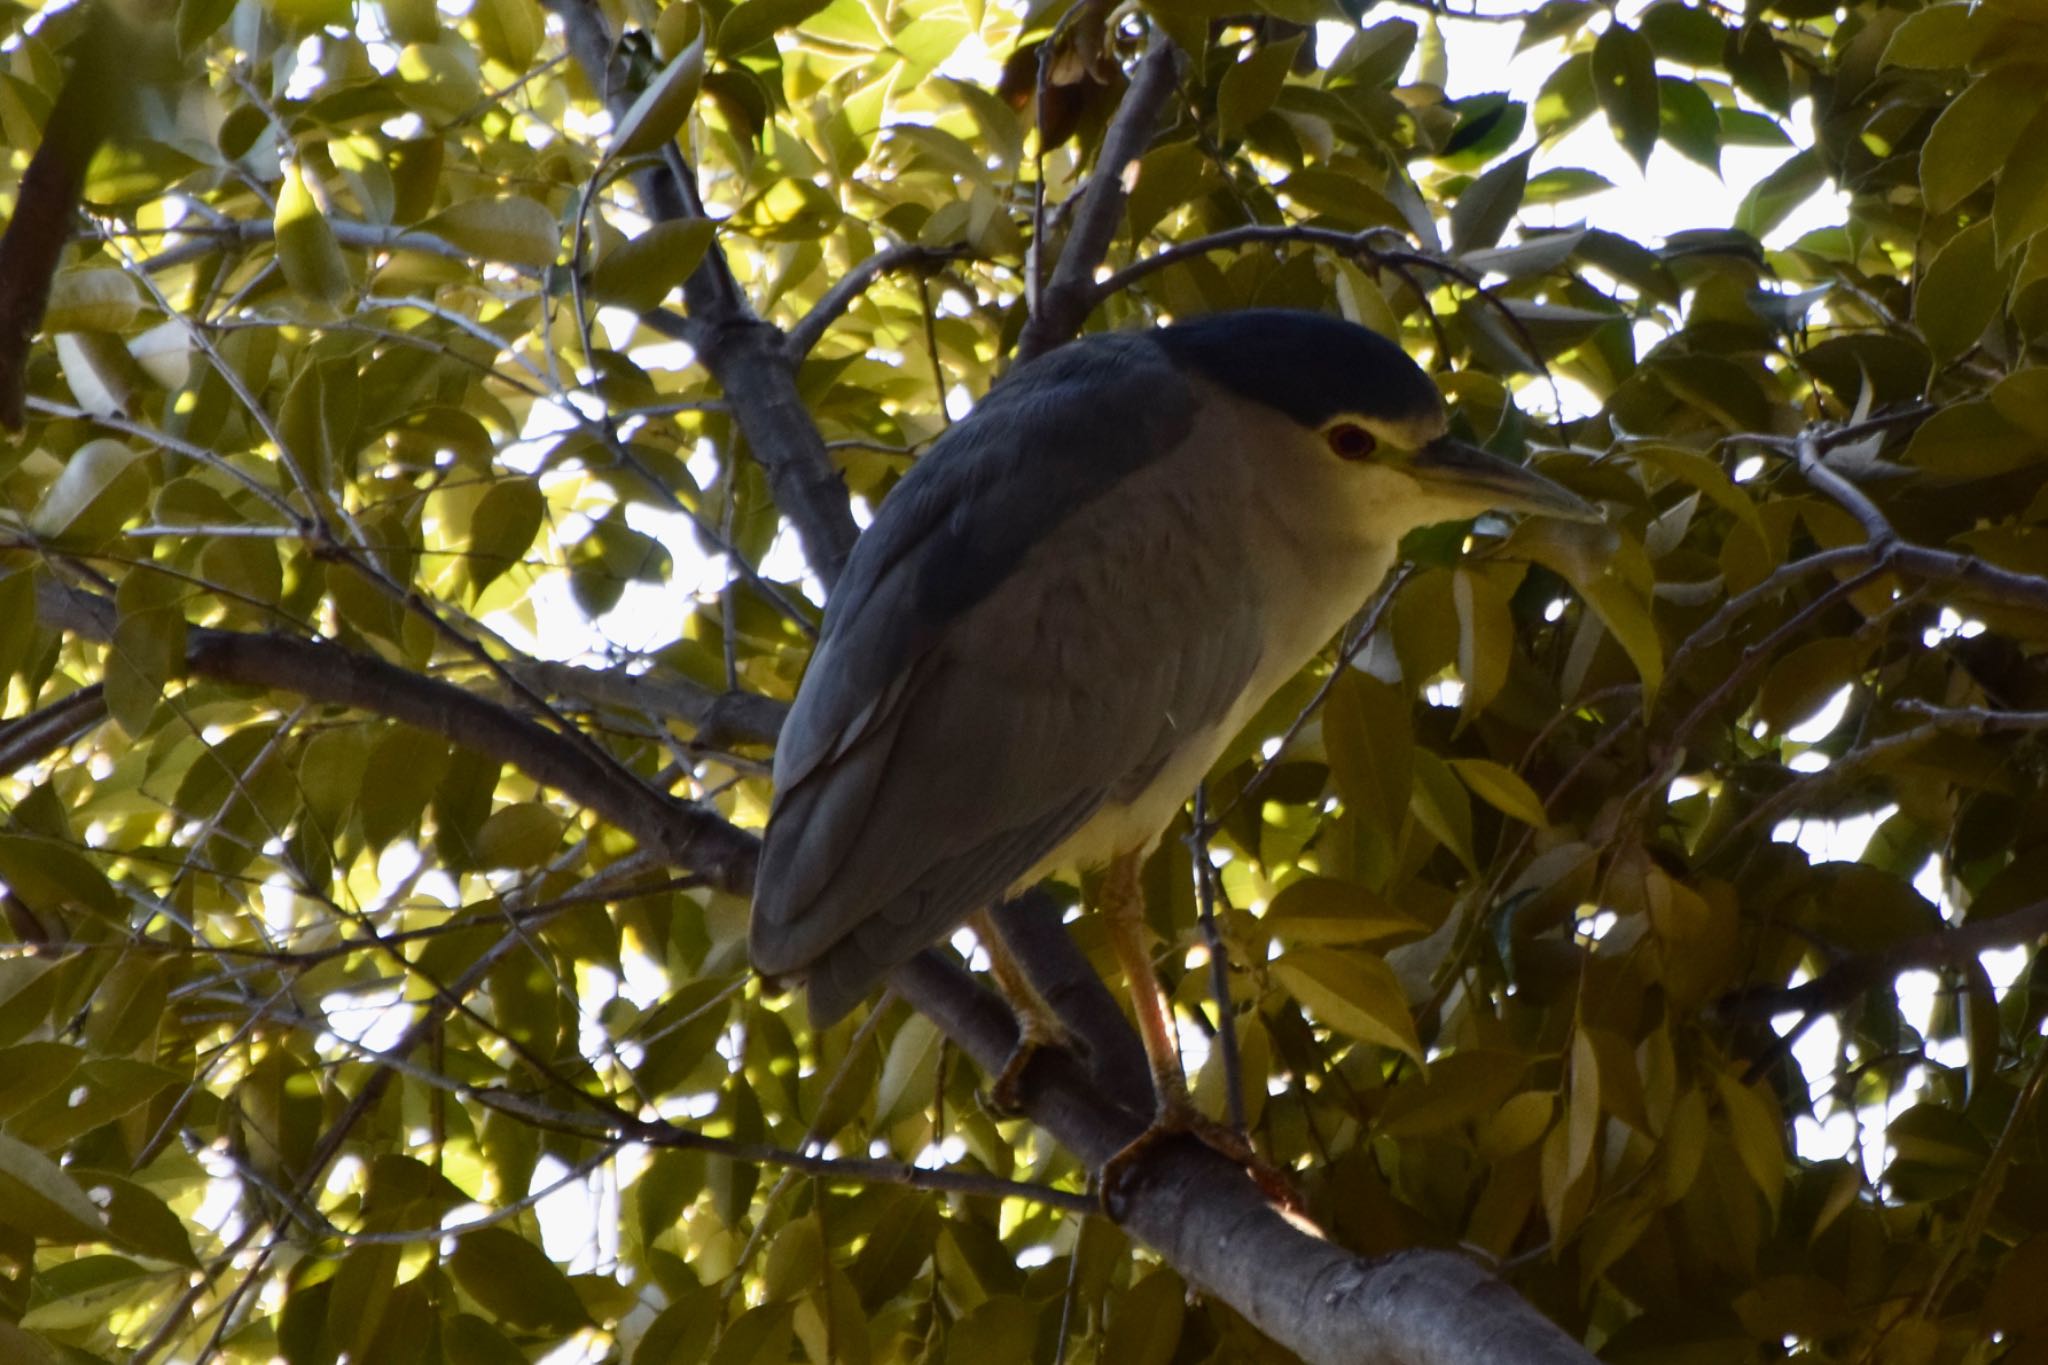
[[344, 931]]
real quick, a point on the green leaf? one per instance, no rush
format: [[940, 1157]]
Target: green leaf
[[1975, 133], [524, 834], [1972, 441], [1488, 205], [139, 1220], [639, 273], [2021, 398], [1683, 33], [1758, 66], [756, 21], [1249, 87], [1688, 121], [909, 1072], [306, 247], [663, 106], [1625, 80], [510, 228], [1801, 681], [1564, 183], [1486, 632], [1442, 808], [2021, 208], [1145, 1324], [502, 529], [38, 1198], [54, 876], [1577, 554], [509, 31], [1502, 788], [1960, 293], [1325, 910], [1352, 993], [148, 647], [1939, 37], [1759, 1135], [1771, 200], [515, 1281], [92, 299], [1462, 1087], [102, 485], [1567, 98]]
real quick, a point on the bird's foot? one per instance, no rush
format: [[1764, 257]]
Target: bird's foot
[[1006, 1092], [1180, 1118]]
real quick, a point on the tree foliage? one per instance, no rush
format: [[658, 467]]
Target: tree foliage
[[346, 924]]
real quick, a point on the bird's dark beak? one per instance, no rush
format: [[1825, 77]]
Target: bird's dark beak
[[1466, 471]]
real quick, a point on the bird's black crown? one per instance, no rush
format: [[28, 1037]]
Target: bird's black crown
[[1310, 366]]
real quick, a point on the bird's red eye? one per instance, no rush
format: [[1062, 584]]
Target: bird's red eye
[[1349, 441]]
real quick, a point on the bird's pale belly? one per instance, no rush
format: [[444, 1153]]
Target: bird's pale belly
[[1336, 587]]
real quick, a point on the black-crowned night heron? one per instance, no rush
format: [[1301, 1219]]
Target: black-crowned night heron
[[1068, 608]]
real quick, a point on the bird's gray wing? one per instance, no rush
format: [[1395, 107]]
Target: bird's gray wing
[[974, 713], [1059, 432]]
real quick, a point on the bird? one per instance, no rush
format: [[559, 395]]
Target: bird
[[1060, 617]]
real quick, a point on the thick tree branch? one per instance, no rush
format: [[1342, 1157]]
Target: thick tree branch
[[28, 739], [1844, 983], [688, 835], [718, 717], [1031, 927], [745, 355], [1214, 1226], [1070, 295]]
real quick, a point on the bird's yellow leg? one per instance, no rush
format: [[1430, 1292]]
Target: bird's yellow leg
[[1037, 1025], [1123, 904]]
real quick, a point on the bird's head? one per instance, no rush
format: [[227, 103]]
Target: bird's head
[[1378, 418]]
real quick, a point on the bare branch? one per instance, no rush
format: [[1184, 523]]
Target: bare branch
[[1214, 1226], [719, 717], [617, 1124], [1069, 296], [690, 835], [30, 738], [747, 356], [811, 328], [1842, 984]]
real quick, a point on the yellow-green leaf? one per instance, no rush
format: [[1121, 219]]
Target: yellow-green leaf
[[502, 529], [1759, 1135], [664, 104], [1352, 993], [524, 834], [1325, 910], [91, 299], [1975, 133], [639, 272], [2021, 208], [514, 1279], [37, 1197], [510, 228], [306, 248], [1441, 806], [1502, 788], [102, 485]]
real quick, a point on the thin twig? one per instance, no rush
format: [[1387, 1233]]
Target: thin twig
[[1069, 296], [810, 329], [1219, 960]]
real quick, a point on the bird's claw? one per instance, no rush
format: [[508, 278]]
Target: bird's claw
[[1184, 1120], [1005, 1096]]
